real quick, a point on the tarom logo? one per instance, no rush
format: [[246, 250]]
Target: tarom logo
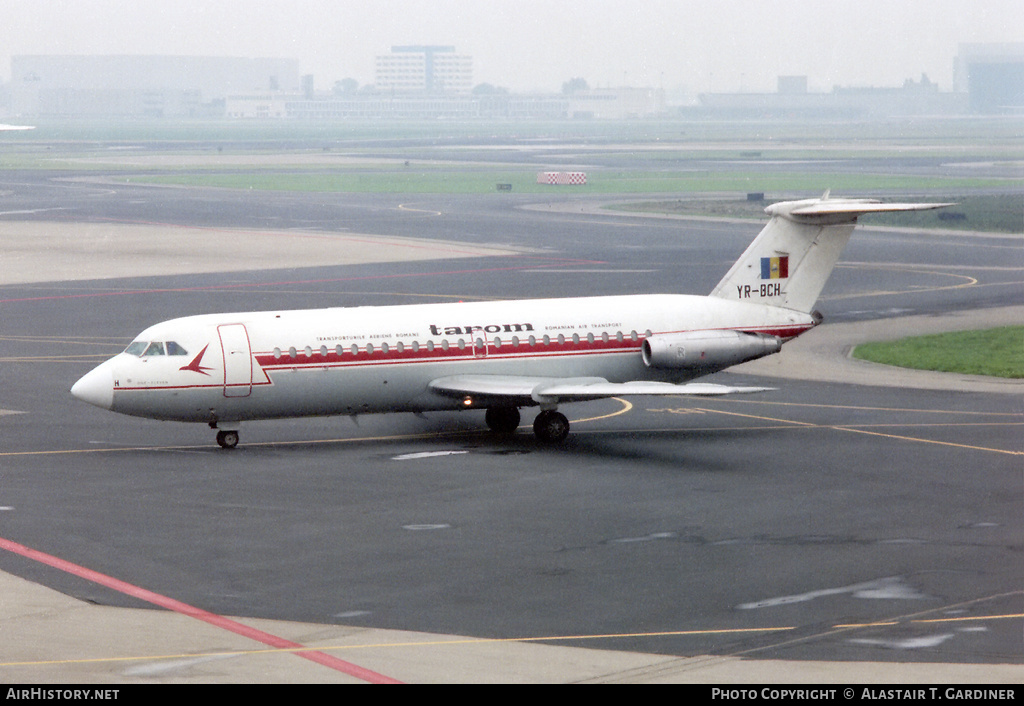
[[195, 366]]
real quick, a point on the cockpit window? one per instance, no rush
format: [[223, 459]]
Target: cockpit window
[[141, 348]]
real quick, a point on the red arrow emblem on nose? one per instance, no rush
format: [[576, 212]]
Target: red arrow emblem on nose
[[195, 366]]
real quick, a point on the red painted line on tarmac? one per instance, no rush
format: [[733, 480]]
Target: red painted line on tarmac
[[219, 621]]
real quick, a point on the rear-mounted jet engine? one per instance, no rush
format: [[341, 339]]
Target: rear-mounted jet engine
[[707, 351]]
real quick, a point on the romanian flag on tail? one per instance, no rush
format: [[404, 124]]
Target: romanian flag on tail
[[775, 267]]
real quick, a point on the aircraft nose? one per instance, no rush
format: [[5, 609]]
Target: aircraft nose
[[96, 387]]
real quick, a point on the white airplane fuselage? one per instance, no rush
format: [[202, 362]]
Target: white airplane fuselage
[[264, 365]]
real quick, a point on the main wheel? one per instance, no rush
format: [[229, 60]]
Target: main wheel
[[551, 426], [228, 439], [502, 420]]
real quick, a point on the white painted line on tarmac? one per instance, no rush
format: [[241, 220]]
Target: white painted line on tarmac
[[426, 454], [892, 588]]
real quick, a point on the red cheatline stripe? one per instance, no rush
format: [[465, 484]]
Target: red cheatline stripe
[[128, 589]]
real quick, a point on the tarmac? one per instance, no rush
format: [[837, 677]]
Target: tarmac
[[50, 638]]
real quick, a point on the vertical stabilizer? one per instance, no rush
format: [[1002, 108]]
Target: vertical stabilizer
[[789, 262]]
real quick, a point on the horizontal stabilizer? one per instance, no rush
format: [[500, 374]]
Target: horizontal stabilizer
[[832, 211]]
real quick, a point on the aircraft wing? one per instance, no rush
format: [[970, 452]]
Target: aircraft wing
[[524, 390]]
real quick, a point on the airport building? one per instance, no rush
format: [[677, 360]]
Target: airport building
[[141, 86], [793, 100], [616, 103], [435, 70], [988, 79], [992, 75], [596, 104]]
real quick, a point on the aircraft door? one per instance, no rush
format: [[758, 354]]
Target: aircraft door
[[237, 352]]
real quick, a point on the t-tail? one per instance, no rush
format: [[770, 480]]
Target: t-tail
[[789, 262]]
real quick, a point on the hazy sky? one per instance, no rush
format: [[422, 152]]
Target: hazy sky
[[523, 45]]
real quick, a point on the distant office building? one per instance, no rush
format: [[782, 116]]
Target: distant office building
[[140, 86], [992, 75], [424, 69]]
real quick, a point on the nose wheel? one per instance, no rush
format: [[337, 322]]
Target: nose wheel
[[227, 438], [551, 426]]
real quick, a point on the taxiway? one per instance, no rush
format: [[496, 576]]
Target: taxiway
[[830, 525]]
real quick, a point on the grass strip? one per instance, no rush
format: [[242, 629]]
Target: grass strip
[[997, 352]]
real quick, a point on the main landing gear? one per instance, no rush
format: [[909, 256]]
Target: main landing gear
[[226, 438], [502, 420], [549, 426]]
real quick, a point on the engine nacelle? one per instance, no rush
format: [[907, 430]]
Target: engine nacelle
[[706, 350]]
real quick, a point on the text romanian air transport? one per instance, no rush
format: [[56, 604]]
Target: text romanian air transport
[[223, 369]]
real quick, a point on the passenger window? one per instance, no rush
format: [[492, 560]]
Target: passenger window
[[155, 348], [174, 349]]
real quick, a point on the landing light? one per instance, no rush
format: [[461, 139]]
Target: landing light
[[467, 401]]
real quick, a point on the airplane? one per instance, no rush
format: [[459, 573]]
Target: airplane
[[223, 369]]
